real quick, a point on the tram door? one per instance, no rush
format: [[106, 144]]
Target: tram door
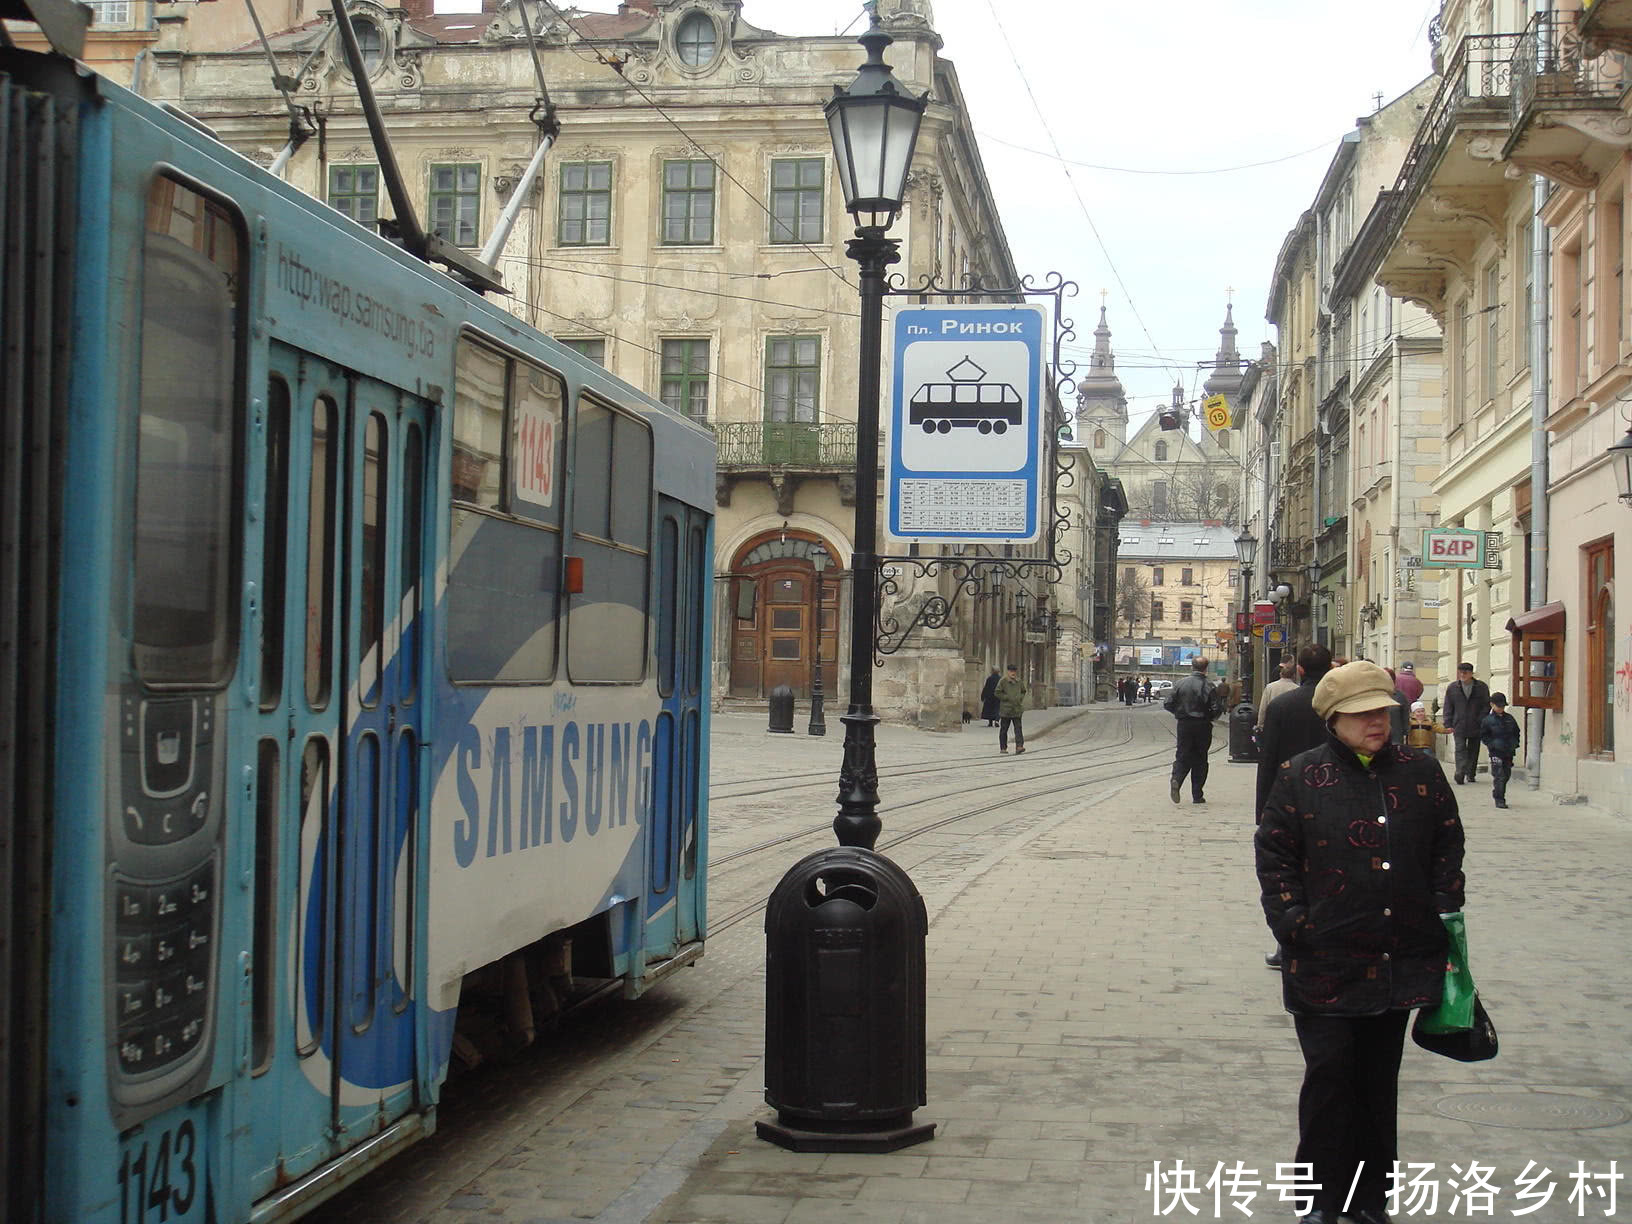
[[684, 568], [339, 771]]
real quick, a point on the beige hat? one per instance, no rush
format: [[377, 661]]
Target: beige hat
[[1353, 688]]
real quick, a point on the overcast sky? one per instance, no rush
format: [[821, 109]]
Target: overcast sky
[[1182, 98]]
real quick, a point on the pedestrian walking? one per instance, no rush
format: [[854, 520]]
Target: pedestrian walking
[[1467, 701], [1194, 703], [1287, 681], [1359, 852], [1145, 692], [988, 698], [1399, 718], [1011, 705], [1423, 728], [1408, 683], [1499, 732], [1292, 727]]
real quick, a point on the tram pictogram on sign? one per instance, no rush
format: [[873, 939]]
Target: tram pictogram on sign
[[964, 400]]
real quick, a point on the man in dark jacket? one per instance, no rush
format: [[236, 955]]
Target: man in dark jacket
[[1467, 701], [1359, 853], [1195, 704], [988, 698], [1292, 726], [1499, 732]]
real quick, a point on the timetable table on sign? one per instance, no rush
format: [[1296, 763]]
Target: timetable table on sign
[[930, 506]]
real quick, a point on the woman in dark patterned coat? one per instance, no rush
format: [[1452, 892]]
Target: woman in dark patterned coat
[[1359, 851]]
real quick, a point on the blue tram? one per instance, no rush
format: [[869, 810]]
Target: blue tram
[[356, 653]]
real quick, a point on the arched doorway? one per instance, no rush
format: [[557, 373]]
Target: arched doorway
[[780, 613]]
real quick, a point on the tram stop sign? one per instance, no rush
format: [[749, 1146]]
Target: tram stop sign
[[965, 442]]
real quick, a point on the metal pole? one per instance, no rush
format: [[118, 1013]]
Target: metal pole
[[857, 823], [1535, 719], [1246, 655], [818, 723]]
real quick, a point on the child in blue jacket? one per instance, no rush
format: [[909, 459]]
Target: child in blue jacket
[[1499, 732]]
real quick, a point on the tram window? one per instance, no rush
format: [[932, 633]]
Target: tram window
[[275, 544], [611, 506], [505, 543], [700, 577], [314, 847], [413, 525], [480, 380], [668, 592], [263, 968], [187, 450], [375, 476], [322, 520]]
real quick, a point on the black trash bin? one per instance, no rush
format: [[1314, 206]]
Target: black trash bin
[[844, 1005], [1243, 742], [782, 709]]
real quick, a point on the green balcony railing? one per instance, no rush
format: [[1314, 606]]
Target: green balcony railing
[[793, 444]]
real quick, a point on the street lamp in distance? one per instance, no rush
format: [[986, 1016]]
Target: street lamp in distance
[[1246, 552]]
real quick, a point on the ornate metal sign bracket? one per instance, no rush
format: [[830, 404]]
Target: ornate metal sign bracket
[[979, 576]]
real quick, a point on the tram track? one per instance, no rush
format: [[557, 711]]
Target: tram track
[[719, 925]]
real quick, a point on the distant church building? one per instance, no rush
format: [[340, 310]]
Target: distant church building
[[1190, 474]]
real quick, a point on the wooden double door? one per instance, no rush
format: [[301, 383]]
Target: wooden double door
[[779, 624]]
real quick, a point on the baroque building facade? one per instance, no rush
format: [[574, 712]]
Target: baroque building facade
[[688, 232]]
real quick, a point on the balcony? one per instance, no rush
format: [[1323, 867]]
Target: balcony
[[1452, 190], [1607, 24], [786, 454], [1565, 99]]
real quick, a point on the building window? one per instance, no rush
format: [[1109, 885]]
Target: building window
[[110, 12], [1493, 329], [695, 41], [1599, 563], [1458, 357], [1158, 497], [1156, 611], [1187, 612], [1571, 339], [797, 186], [586, 204], [1161, 452], [1156, 576], [1187, 577], [355, 191], [688, 203], [592, 347], [1235, 577], [685, 377], [370, 42], [1612, 300], [793, 378], [456, 201], [1099, 439], [1127, 575]]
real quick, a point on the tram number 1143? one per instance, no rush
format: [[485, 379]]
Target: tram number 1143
[[158, 1180]]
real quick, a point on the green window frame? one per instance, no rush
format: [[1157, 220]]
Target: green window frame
[[456, 201], [798, 187], [592, 347], [793, 379], [354, 189], [584, 216], [684, 377], [688, 203]]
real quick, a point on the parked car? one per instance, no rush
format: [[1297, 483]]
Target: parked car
[[1160, 686]]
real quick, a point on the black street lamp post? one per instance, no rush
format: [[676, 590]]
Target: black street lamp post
[[818, 724], [1246, 552], [845, 1054], [874, 127]]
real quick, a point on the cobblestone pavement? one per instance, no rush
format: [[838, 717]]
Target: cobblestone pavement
[[1098, 1011]]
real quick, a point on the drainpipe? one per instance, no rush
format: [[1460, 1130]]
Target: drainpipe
[[1535, 721]]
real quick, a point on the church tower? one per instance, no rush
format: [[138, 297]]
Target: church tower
[[1102, 404]]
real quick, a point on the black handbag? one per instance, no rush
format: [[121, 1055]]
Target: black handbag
[[1474, 1044]]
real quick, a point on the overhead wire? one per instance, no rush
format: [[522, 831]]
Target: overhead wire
[[1042, 119]]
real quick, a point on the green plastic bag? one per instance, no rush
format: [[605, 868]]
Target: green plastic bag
[[1455, 1011]]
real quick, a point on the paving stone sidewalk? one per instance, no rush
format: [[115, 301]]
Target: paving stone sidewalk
[[1099, 1010]]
